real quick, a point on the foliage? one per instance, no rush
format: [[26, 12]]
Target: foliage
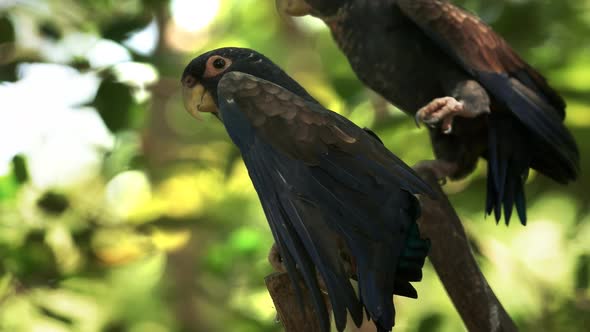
[[119, 212]]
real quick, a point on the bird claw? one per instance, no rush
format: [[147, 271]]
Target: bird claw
[[440, 111], [417, 119], [441, 169], [421, 118]]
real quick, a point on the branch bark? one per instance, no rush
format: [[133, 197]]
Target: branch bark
[[456, 267], [451, 256], [288, 308]]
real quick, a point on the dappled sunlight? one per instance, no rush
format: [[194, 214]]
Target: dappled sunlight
[[139, 75], [576, 75], [170, 240], [543, 253], [59, 239], [127, 194], [190, 21], [192, 15], [578, 114], [106, 53], [191, 193], [433, 302], [57, 159], [145, 41], [257, 304], [80, 307], [518, 291], [120, 246], [239, 181]]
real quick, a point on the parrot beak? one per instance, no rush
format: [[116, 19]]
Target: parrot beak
[[196, 98], [293, 7]]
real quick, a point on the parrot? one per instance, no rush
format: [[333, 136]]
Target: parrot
[[329, 189], [444, 66]]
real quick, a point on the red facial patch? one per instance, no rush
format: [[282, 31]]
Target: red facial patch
[[216, 65]]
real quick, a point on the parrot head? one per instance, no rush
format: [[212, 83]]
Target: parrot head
[[202, 75]]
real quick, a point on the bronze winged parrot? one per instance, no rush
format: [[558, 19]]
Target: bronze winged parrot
[[328, 188], [443, 65]]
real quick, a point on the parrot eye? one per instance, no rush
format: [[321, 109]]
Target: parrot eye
[[219, 63], [216, 65]]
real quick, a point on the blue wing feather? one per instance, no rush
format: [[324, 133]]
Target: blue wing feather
[[342, 196]]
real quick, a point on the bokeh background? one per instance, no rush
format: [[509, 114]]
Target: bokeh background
[[119, 212]]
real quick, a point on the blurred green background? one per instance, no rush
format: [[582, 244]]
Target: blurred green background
[[119, 212]]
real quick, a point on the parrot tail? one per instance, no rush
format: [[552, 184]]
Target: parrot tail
[[528, 133], [411, 262], [509, 157]]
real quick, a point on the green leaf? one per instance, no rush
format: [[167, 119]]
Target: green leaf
[[8, 187], [115, 104], [33, 263], [122, 27], [5, 284], [430, 323], [8, 72], [583, 272], [245, 241], [19, 164], [50, 30], [7, 34], [53, 203], [124, 156]]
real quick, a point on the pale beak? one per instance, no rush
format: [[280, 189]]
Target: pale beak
[[196, 99], [293, 7]]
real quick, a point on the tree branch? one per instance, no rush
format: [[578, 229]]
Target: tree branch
[[288, 307], [456, 267], [451, 256]]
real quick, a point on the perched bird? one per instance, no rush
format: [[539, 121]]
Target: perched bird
[[329, 189], [443, 65]]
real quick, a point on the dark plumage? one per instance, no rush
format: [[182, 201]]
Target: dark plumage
[[329, 189], [414, 52]]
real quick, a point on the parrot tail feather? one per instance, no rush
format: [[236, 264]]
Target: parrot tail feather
[[509, 159]]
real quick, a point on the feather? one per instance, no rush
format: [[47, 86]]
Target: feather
[[524, 108], [343, 185]]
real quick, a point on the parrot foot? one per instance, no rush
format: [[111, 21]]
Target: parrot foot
[[275, 259], [440, 168], [441, 111]]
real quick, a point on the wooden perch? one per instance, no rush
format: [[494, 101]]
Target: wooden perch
[[451, 256]]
